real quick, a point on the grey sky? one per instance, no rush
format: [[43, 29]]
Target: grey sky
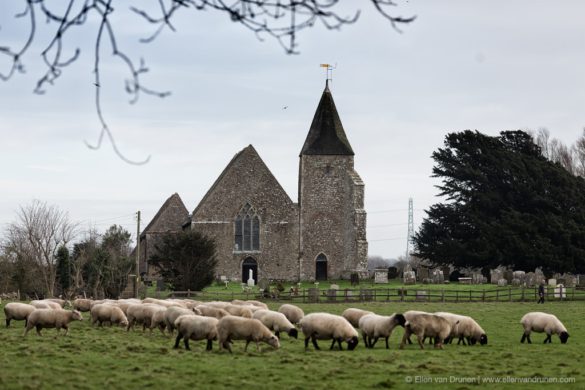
[[485, 65]]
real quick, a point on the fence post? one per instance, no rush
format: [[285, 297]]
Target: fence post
[[510, 294], [483, 296], [573, 298], [456, 295], [522, 293], [498, 295], [443, 295], [470, 300]]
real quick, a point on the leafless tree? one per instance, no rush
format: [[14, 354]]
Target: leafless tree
[[83, 253], [278, 19], [37, 234], [579, 155]]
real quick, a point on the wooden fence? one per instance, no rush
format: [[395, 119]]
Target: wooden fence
[[404, 294]]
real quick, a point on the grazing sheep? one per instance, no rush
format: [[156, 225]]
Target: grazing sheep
[[172, 313], [426, 325], [408, 315], [464, 328], [163, 302], [293, 313], [240, 311], [42, 304], [142, 314], [216, 304], [83, 305], [238, 328], [105, 312], [192, 327], [542, 322], [325, 326], [276, 322], [259, 304], [17, 311], [60, 302], [353, 315], [374, 326], [51, 318], [210, 311]]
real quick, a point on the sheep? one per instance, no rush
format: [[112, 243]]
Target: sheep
[[293, 313], [172, 313], [354, 315], [408, 315], [543, 322], [192, 327], [83, 305], [210, 311], [465, 328], [276, 322], [162, 302], [374, 326], [239, 310], [51, 318], [238, 328], [60, 302], [105, 312], [42, 304], [325, 326], [426, 325], [17, 311], [259, 304], [142, 314]]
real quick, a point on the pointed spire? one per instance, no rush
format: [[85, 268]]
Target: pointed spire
[[326, 135]]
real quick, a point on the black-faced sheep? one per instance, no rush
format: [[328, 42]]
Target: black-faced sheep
[[426, 325], [239, 328], [17, 311], [51, 318], [325, 326], [106, 312], [293, 313], [353, 315], [543, 322], [464, 328], [193, 327], [374, 326], [276, 322]]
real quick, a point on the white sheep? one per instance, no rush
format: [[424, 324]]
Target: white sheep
[[106, 312], [543, 322], [293, 313], [241, 310], [81, 304], [193, 327], [353, 315], [325, 326], [276, 322], [426, 325], [17, 311], [171, 314], [51, 318], [464, 328], [210, 311], [374, 326], [42, 304], [411, 314], [59, 301], [239, 328], [142, 314]]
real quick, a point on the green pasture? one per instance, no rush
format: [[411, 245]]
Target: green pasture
[[98, 358]]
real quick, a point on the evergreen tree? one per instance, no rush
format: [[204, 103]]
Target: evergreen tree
[[505, 205], [185, 260], [63, 269]]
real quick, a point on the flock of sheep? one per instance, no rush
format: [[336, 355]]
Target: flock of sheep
[[252, 321]]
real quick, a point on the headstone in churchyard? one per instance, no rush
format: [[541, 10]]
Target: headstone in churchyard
[[251, 278], [570, 280], [508, 275], [502, 283], [334, 287], [521, 276], [313, 295], [516, 282], [560, 291], [381, 275], [476, 278], [446, 272], [331, 294], [409, 277], [437, 276], [366, 294], [581, 280], [392, 272], [423, 273], [552, 282], [530, 279], [496, 275]]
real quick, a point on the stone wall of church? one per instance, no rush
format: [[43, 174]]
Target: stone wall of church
[[332, 216], [248, 180]]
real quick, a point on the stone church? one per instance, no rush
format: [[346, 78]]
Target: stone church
[[258, 227]]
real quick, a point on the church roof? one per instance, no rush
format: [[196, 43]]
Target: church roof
[[173, 200], [326, 135]]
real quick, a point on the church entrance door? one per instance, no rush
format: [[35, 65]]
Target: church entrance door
[[247, 265], [321, 267]]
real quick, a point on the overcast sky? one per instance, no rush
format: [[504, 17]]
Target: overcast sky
[[485, 65]]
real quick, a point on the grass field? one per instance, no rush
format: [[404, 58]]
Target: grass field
[[97, 358]]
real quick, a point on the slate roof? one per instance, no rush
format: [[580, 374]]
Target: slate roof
[[175, 198], [326, 135]]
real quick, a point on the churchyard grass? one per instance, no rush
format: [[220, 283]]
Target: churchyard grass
[[97, 358]]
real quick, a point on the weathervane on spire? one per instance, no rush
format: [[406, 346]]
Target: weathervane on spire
[[328, 72]]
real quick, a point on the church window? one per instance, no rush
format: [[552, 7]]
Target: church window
[[247, 230]]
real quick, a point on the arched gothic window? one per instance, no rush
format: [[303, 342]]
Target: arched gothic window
[[247, 229]]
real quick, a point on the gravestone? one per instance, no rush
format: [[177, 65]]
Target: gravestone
[[552, 282], [437, 276], [530, 279], [331, 294], [496, 276], [508, 275], [560, 291], [251, 278], [516, 282], [477, 278], [570, 280], [381, 275], [409, 277], [313, 295], [446, 272], [521, 276], [334, 287], [502, 283], [581, 280], [423, 273], [366, 294]]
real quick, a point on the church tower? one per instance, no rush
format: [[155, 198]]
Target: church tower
[[332, 219]]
